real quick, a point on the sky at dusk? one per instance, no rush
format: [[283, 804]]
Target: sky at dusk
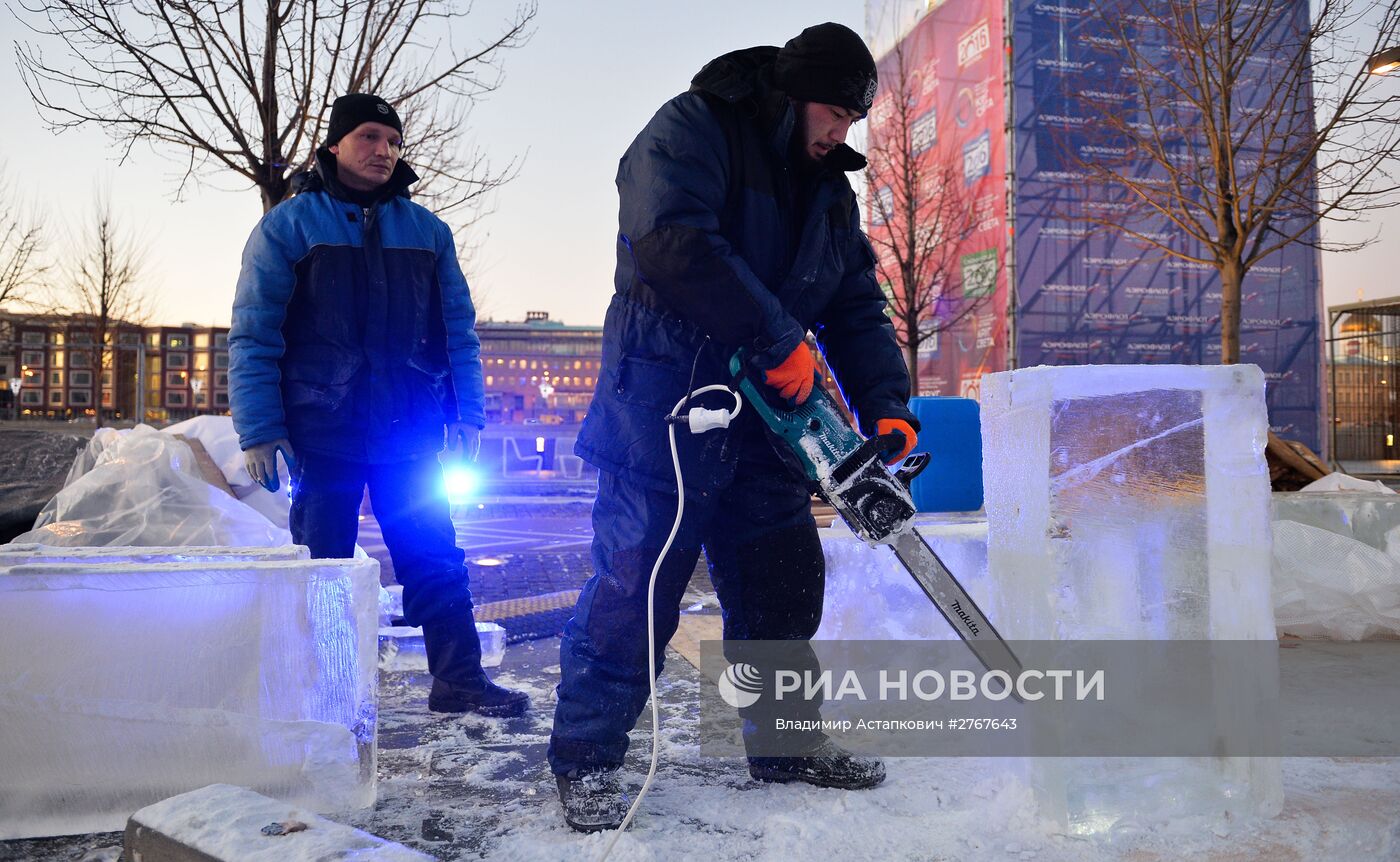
[[572, 100]]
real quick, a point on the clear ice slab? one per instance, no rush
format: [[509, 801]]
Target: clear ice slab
[[1132, 503], [130, 682]]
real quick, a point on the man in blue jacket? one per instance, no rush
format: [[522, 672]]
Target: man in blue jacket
[[738, 228], [352, 349]]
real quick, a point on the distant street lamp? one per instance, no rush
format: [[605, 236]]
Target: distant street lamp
[[15, 384], [1384, 62], [197, 384]]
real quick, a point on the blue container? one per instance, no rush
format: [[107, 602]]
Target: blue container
[[951, 432]]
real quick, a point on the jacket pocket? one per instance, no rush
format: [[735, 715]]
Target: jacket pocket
[[650, 383], [428, 391], [319, 378]]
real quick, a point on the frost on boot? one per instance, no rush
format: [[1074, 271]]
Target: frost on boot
[[826, 765], [592, 801]]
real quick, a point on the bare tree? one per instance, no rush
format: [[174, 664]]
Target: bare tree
[[102, 288], [244, 87], [22, 234], [1242, 124], [922, 216]]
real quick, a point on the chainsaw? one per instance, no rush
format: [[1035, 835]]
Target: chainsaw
[[849, 473]]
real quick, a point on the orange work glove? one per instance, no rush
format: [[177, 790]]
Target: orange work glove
[[793, 379], [886, 426]]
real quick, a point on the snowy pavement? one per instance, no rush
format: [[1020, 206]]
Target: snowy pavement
[[464, 787]]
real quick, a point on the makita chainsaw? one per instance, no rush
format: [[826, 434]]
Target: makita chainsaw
[[849, 473]]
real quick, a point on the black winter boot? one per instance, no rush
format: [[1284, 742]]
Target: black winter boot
[[827, 765], [459, 683], [592, 801]]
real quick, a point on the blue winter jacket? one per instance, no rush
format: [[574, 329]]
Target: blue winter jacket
[[353, 330], [720, 237]]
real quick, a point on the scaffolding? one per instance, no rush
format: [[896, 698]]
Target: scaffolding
[[1363, 359]]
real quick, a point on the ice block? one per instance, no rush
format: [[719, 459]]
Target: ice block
[[19, 554], [127, 683], [1132, 502], [1369, 517], [870, 596], [401, 647]]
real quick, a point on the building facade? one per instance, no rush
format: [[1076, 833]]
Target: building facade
[[1363, 360], [536, 371], [540, 370]]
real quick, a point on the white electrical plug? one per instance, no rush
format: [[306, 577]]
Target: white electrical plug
[[702, 419]]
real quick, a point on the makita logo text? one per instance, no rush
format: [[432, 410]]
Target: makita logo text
[[967, 620], [974, 43]]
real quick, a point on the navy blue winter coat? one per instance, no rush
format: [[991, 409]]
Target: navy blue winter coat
[[720, 236], [353, 331]]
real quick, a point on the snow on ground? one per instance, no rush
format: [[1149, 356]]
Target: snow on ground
[[465, 787], [481, 788]]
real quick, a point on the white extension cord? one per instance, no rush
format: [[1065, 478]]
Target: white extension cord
[[700, 420]]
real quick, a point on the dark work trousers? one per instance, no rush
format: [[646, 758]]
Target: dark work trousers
[[412, 510], [767, 566]]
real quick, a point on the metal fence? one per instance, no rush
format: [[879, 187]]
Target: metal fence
[[1363, 355]]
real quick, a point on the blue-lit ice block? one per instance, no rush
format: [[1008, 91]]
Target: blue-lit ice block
[[127, 683], [951, 433]]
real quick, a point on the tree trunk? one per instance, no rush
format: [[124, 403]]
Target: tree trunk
[[911, 359], [100, 337], [274, 191], [1231, 279]]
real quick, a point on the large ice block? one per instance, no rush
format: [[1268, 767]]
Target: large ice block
[[871, 596], [126, 683], [18, 554], [1132, 502]]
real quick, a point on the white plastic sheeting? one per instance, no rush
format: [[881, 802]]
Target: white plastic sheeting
[[216, 435], [142, 487], [1337, 562]]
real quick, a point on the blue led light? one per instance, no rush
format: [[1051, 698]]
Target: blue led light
[[459, 483]]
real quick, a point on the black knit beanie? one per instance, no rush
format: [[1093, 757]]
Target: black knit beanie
[[829, 64], [348, 112]]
